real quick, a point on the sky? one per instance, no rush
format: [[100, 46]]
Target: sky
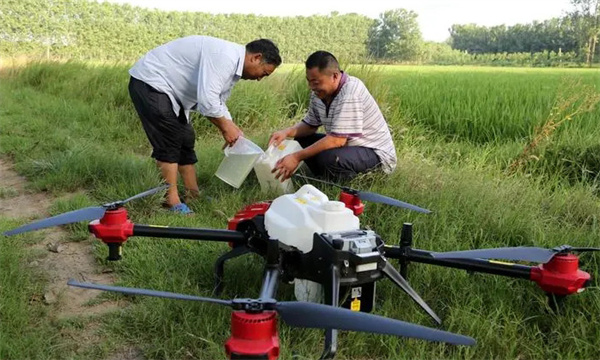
[[434, 16]]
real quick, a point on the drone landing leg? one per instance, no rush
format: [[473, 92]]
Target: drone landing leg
[[332, 297], [406, 240], [220, 265], [390, 272]]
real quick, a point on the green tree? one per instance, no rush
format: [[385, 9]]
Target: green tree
[[395, 35], [586, 15]]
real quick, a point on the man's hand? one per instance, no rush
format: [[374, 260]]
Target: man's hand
[[278, 136], [285, 167], [230, 133]]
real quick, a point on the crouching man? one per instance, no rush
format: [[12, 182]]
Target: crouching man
[[356, 139]]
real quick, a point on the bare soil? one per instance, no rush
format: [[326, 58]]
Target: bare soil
[[59, 261]]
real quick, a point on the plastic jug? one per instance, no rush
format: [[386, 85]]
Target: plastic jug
[[238, 162], [266, 163]]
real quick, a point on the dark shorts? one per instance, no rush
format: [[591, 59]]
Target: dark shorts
[[339, 164], [172, 137]]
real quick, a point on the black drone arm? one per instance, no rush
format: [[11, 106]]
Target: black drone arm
[[232, 236]]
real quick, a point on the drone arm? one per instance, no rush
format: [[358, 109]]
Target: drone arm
[[559, 276], [115, 228], [232, 236], [476, 265]]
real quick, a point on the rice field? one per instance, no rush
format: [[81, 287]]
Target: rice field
[[503, 156]]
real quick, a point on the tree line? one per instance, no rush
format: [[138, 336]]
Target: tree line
[[575, 32], [91, 30], [84, 29], [395, 35]]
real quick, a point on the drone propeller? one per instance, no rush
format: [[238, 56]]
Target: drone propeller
[[308, 315], [85, 214], [370, 196], [521, 253]]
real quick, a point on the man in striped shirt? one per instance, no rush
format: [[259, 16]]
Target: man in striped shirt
[[357, 138]]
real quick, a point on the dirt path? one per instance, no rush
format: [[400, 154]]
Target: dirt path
[[60, 260]]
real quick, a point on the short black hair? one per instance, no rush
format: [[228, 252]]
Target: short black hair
[[268, 49], [323, 60]]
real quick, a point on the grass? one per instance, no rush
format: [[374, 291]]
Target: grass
[[70, 128], [7, 192], [25, 330]]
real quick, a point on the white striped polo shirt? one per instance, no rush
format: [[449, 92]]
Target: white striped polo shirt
[[354, 114]]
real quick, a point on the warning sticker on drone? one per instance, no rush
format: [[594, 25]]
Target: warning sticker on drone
[[355, 305]]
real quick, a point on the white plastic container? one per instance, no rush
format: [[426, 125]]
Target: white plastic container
[[266, 163], [294, 218], [238, 161]]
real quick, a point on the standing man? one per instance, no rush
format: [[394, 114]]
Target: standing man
[[192, 73], [357, 138]]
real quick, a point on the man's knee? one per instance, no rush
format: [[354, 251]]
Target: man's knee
[[328, 158], [345, 163], [332, 166]]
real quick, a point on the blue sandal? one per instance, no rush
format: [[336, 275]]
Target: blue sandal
[[181, 208]]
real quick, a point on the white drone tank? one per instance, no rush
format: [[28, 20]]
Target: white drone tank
[[294, 218]]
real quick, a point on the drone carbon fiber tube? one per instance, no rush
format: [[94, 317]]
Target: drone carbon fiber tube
[[189, 233], [477, 265]]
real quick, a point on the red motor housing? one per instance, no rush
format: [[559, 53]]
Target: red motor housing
[[352, 202], [113, 229], [561, 275], [253, 336]]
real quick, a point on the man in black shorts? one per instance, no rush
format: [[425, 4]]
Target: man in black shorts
[[192, 73]]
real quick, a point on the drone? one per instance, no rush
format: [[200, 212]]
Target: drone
[[318, 245]]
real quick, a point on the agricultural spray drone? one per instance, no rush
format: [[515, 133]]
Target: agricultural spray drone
[[318, 244]]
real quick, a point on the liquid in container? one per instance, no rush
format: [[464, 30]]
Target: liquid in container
[[238, 162]]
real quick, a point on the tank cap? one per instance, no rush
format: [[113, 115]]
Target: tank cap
[[333, 206]]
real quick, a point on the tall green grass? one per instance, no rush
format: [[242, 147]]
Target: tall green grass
[[70, 128]]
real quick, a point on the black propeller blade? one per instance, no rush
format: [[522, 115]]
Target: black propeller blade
[[309, 315], [389, 271], [378, 198], [136, 291], [85, 214], [144, 194], [583, 249], [371, 196], [521, 253]]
